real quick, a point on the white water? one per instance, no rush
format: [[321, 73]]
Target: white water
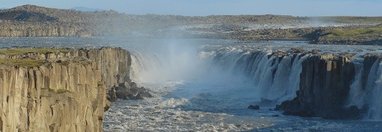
[[211, 86], [369, 95], [375, 109], [249, 74], [274, 78], [165, 61], [227, 79], [267, 77]]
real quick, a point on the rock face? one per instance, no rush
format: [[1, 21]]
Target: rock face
[[324, 87], [56, 29], [67, 92], [311, 83]]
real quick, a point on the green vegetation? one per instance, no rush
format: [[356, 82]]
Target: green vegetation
[[22, 62], [20, 51], [355, 33], [351, 19]]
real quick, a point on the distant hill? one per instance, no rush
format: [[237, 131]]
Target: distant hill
[[34, 21], [37, 21], [20, 15], [85, 9]]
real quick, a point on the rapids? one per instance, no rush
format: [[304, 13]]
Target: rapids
[[207, 84]]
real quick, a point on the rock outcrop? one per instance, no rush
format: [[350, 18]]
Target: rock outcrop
[[128, 90], [310, 83], [324, 87], [59, 89]]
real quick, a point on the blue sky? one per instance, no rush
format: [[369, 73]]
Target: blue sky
[[217, 7]]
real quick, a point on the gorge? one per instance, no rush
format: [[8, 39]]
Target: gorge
[[292, 77], [69, 70]]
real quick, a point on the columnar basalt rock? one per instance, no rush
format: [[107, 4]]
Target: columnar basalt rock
[[55, 97], [312, 83], [67, 91], [324, 87]]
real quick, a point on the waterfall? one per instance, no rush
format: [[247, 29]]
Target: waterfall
[[366, 89], [162, 61], [275, 78], [145, 67], [267, 74], [375, 108]]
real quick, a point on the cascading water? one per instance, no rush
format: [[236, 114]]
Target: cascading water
[[159, 61], [258, 75], [366, 89], [375, 109], [275, 78], [225, 72]]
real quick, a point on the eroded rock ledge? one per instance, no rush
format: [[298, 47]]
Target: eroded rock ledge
[[325, 85], [60, 89], [310, 82]]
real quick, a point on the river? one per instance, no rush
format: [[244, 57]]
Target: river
[[194, 92]]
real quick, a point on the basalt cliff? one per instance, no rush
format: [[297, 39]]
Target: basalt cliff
[[43, 89], [324, 88], [311, 83]]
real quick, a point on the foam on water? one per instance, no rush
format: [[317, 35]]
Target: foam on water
[[273, 78], [368, 93], [218, 79]]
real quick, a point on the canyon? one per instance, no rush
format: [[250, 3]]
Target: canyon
[[187, 73], [44, 89]]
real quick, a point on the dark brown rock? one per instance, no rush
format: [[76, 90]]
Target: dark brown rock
[[254, 107], [324, 86], [129, 90]]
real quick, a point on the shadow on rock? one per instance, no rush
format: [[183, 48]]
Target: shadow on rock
[[128, 90]]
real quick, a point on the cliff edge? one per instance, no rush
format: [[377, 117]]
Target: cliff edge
[[60, 89]]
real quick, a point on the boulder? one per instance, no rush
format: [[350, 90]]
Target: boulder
[[254, 107]]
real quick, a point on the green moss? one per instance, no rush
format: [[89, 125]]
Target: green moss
[[19, 51], [22, 62]]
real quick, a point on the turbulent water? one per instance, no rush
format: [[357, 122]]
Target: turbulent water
[[274, 79], [207, 84], [368, 93]]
